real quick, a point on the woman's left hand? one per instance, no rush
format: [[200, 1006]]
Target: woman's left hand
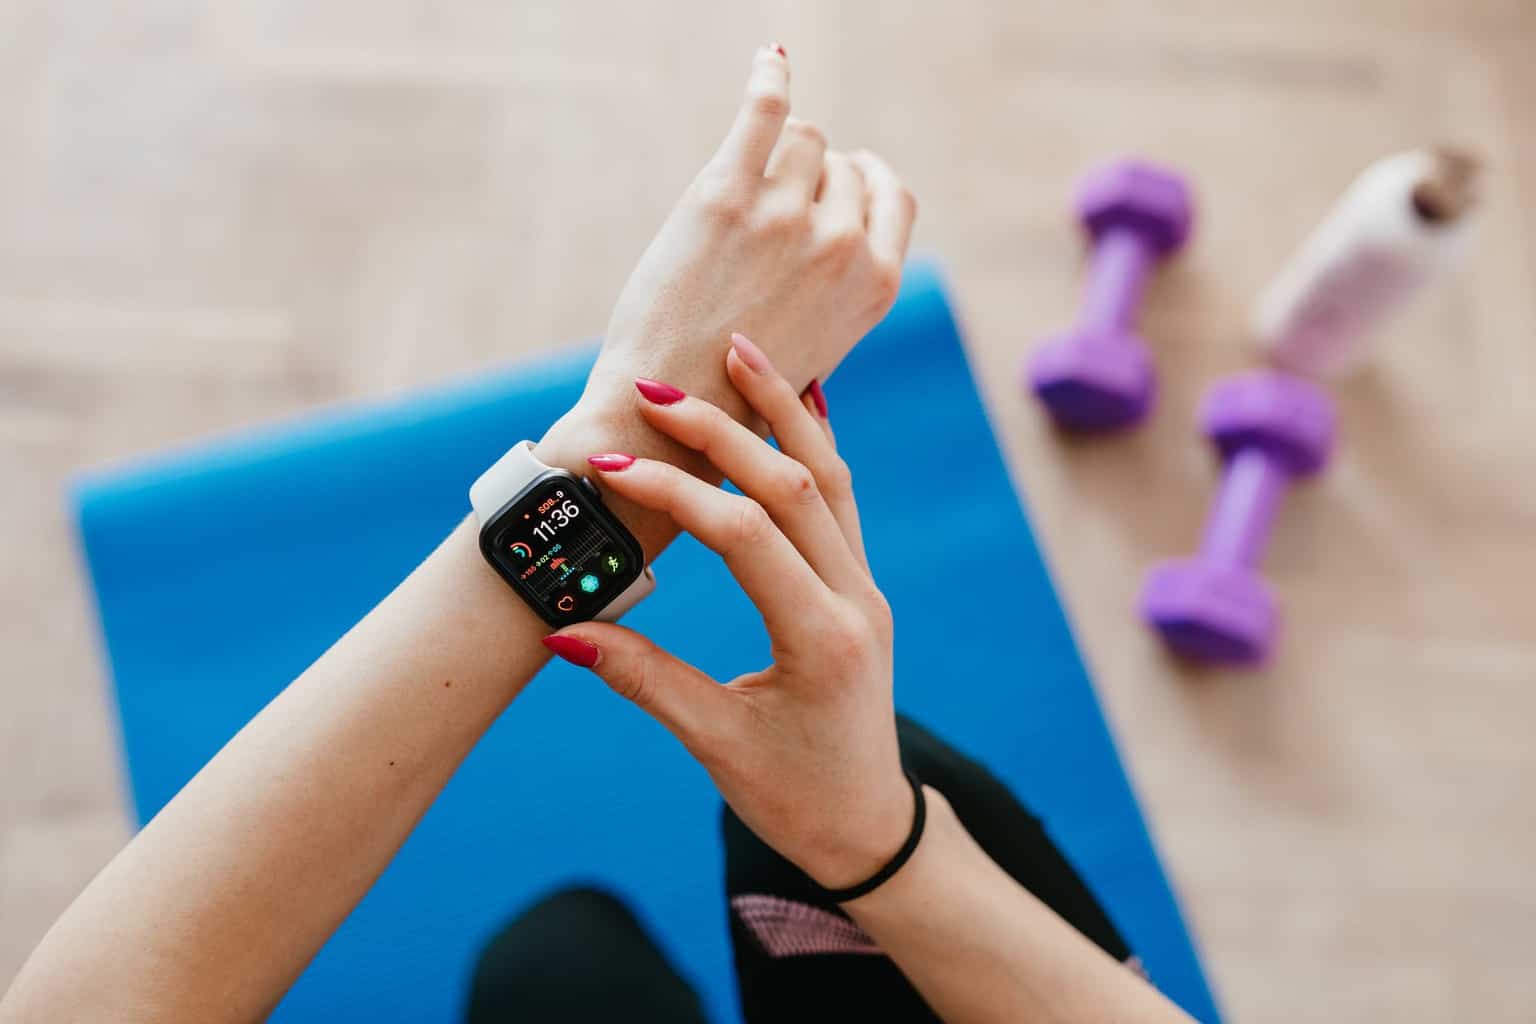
[[797, 245]]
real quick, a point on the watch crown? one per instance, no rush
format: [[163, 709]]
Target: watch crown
[[591, 488]]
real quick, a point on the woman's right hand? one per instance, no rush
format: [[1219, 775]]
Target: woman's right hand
[[804, 750]]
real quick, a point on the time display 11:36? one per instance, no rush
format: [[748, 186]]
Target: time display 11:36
[[560, 515]]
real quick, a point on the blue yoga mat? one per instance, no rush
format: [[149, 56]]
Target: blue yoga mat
[[221, 572]]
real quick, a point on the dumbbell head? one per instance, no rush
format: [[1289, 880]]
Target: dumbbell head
[[1213, 608], [1154, 202], [1211, 612], [1288, 418], [1093, 378]]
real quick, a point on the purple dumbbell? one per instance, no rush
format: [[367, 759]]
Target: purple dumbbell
[[1270, 429], [1098, 375]]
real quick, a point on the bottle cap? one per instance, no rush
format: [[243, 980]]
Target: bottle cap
[[1449, 188]]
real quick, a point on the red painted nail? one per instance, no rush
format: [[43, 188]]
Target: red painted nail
[[611, 462], [776, 48], [754, 357], [818, 396], [659, 393], [576, 651]]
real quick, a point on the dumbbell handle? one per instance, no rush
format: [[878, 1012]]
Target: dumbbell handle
[[1252, 486], [1121, 261]]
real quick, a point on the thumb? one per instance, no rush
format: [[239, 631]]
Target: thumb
[[667, 688]]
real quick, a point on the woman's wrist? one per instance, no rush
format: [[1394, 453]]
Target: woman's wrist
[[864, 843], [944, 843], [694, 365]]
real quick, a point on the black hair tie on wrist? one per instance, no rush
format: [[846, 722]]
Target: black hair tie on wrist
[[895, 864]]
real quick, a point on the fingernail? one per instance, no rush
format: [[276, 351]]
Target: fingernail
[[576, 651], [776, 48], [659, 393], [750, 354], [611, 462], [818, 396]]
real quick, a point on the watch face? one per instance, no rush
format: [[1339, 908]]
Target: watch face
[[562, 550]]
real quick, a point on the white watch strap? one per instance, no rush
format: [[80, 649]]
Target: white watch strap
[[500, 484], [515, 471]]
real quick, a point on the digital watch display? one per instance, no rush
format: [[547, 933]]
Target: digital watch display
[[547, 533], [561, 549]]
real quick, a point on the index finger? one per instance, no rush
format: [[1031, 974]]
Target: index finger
[[760, 120]]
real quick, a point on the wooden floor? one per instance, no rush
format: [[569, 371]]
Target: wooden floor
[[214, 213]]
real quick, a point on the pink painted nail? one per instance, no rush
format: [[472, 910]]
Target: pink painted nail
[[750, 354], [611, 462], [818, 396], [574, 650], [659, 393]]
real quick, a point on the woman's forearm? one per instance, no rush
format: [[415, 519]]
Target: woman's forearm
[[218, 904], [214, 909], [981, 948]]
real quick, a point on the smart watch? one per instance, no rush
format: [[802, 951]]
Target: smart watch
[[547, 533]]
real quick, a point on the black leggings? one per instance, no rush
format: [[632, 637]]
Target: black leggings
[[580, 956]]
